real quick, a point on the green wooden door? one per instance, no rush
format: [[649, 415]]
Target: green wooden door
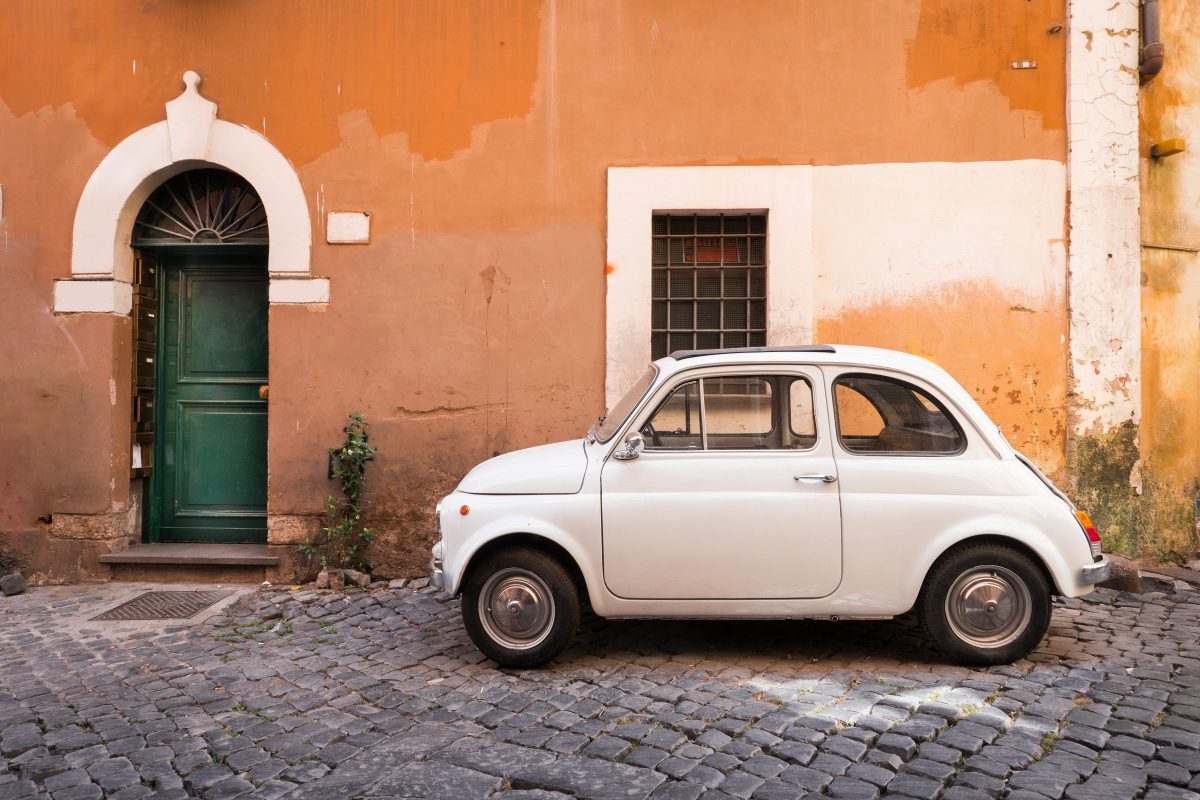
[[210, 477]]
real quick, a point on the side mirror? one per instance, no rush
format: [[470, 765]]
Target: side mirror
[[634, 445]]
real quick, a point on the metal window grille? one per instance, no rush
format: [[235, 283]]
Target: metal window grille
[[709, 281], [202, 206]]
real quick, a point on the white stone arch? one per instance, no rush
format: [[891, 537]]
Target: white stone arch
[[190, 137]]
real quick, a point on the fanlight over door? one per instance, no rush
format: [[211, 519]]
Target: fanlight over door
[[202, 207]]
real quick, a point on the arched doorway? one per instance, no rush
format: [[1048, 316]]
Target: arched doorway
[[200, 300]]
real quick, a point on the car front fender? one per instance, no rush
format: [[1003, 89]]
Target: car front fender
[[524, 528]]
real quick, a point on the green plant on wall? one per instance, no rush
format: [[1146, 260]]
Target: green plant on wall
[[343, 543]]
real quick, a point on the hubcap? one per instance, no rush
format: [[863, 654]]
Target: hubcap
[[989, 606], [516, 609]]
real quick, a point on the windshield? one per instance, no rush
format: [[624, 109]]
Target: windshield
[[617, 414]]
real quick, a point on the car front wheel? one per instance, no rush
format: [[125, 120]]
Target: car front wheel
[[520, 607], [985, 604]]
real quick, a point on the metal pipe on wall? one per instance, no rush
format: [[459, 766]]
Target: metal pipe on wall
[[1153, 53]]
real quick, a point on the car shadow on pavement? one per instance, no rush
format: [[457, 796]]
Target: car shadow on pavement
[[756, 644]]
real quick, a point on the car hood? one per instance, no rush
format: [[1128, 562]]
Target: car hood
[[550, 469]]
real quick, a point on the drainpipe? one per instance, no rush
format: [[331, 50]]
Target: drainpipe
[[1153, 53]]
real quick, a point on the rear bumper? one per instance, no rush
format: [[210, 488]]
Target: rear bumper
[[1095, 573]]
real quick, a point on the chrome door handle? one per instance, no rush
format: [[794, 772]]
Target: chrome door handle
[[821, 478]]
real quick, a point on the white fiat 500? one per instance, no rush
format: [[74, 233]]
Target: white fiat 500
[[798, 482]]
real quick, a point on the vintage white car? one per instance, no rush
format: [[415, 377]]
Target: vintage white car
[[814, 481]]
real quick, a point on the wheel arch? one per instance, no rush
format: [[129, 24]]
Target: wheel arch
[[992, 539], [533, 541]]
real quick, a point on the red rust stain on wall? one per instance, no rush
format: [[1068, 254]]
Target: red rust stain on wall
[[1021, 385], [431, 69], [976, 40]]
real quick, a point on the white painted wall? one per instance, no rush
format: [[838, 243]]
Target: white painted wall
[[1104, 293], [891, 232], [845, 236]]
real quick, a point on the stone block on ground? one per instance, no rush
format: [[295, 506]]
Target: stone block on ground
[[359, 579], [11, 584]]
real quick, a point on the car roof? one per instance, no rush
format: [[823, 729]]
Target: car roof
[[874, 358], [854, 355]]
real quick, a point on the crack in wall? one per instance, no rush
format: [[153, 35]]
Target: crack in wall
[[403, 412]]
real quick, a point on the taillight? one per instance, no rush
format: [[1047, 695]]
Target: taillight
[[1093, 535]]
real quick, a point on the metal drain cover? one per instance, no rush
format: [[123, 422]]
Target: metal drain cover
[[163, 605], [1177, 573]]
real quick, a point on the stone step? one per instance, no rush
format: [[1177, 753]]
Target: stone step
[[192, 562]]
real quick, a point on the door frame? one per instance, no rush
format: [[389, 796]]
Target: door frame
[[212, 255]]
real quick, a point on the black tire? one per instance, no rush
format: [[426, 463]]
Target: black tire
[[985, 604], [542, 602]]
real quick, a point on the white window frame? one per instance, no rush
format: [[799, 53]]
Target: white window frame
[[635, 194]]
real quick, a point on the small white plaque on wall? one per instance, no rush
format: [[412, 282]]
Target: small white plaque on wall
[[348, 227]]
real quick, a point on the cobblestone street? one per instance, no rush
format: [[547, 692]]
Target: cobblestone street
[[380, 694]]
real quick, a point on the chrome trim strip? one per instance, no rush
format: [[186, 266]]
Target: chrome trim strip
[[437, 578]]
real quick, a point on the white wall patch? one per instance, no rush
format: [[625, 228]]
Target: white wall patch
[[95, 297], [348, 227], [290, 291]]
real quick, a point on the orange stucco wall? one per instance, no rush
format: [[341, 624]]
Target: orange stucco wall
[[1170, 108], [478, 134]]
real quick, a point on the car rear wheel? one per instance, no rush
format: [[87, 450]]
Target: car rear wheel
[[520, 607], [985, 604]]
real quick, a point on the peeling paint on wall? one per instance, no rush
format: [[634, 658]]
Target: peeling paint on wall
[[479, 134], [461, 64], [1170, 292], [1104, 253], [986, 37], [1009, 375], [1152, 520]]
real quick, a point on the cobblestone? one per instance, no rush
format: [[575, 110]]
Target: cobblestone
[[367, 694]]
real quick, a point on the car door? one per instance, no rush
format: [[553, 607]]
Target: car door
[[734, 496], [910, 473]]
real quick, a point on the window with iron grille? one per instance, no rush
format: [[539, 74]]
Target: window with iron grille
[[709, 281]]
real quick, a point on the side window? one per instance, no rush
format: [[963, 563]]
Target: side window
[[858, 418], [877, 415], [803, 418], [767, 412], [676, 423], [739, 413]]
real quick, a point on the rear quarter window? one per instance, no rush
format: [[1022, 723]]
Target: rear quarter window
[[879, 415]]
